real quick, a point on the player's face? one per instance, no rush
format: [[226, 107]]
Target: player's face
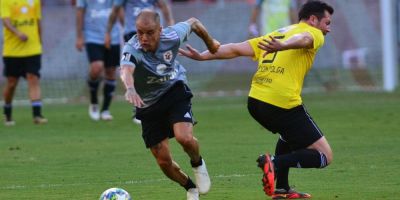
[[148, 34], [324, 23]]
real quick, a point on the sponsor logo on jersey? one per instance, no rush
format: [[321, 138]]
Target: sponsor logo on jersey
[[161, 68]]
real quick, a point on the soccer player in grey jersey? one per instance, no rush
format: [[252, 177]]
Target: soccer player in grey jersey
[[92, 17], [156, 85]]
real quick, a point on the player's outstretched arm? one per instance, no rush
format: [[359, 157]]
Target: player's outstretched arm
[[298, 41], [201, 31], [226, 51], [127, 78]]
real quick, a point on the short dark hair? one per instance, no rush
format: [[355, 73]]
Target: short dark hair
[[314, 7]]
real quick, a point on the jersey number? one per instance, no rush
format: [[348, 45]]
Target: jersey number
[[271, 60]]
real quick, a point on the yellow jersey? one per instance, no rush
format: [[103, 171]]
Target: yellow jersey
[[24, 16], [280, 75]]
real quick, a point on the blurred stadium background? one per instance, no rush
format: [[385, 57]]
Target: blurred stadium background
[[350, 60]]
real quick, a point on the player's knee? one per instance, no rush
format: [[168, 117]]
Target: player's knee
[[185, 139]]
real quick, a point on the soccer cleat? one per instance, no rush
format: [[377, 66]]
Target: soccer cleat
[[9, 123], [192, 194], [94, 112], [136, 121], [106, 115], [289, 194], [203, 181], [268, 180], [39, 120]]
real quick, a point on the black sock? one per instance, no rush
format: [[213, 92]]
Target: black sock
[[196, 164], [189, 184], [108, 90], [7, 110], [36, 108], [303, 158], [93, 87], [282, 175]]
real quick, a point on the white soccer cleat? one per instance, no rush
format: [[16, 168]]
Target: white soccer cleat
[[192, 194], [106, 115], [136, 121], [94, 113], [203, 181], [40, 120], [9, 123]]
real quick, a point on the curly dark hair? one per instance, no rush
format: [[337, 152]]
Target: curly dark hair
[[314, 7]]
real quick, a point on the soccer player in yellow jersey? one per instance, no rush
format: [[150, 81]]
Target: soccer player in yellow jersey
[[22, 51], [284, 58]]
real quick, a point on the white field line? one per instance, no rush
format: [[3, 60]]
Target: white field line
[[128, 182]]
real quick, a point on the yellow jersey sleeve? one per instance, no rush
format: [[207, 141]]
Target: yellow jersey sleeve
[[253, 43], [318, 38]]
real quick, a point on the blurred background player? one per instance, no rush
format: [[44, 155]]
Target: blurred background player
[[156, 85], [22, 49], [131, 9], [284, 58], [269, 15], [91, 23]]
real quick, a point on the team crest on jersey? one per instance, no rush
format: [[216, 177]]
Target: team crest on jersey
[[168, 56], [24, 9], [161, 68]]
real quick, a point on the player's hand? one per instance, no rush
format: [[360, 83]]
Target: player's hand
[[107, 40], [253, 31], [270, 46], [79, 43], [22, 36], [133, 97], [190, 53], [213, 47]]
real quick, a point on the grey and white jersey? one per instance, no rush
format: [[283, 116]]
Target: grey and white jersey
[[132, 9], [96, 19], [156, 72]]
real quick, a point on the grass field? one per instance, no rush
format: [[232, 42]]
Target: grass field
[[75, 158]]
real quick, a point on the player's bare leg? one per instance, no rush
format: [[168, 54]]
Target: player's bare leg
[[108, 90], [95, 74], [184, 135], [35, 96], [8, 95], [171, 169]]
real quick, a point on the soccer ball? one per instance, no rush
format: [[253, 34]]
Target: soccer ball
[[115, 194]]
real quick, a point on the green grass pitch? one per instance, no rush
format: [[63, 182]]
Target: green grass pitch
[[75, 158]]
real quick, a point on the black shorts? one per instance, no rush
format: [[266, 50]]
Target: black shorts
[[158, 119], [128, 36], [294, 125], [20, 66], [96, 52]]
